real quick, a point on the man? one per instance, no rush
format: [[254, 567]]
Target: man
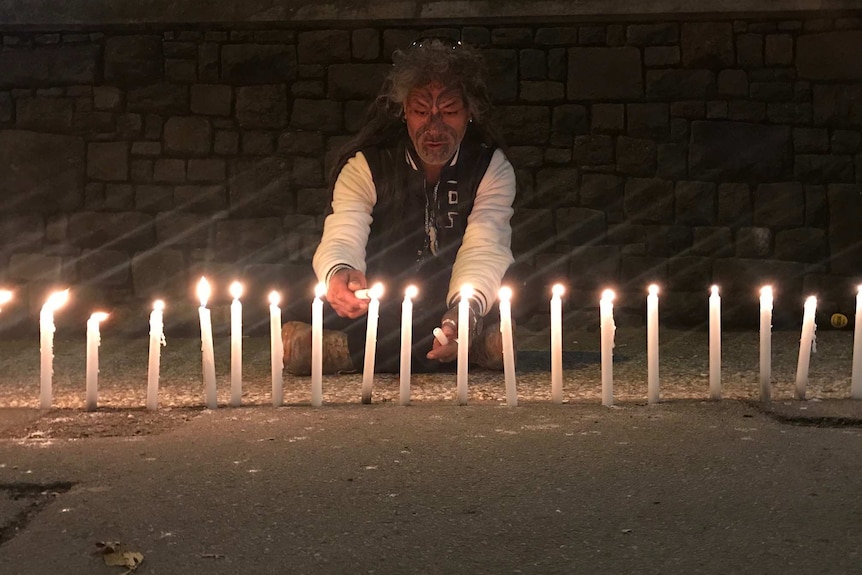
[[423, 195]]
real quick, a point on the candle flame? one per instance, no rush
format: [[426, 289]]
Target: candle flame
[[98, 316], [5, 296], [467, 291], [236, 290], [859, 289], [608, 295], [158, 305], [320, 290], [811, 301], [653, 289], [558, 290], [505, 293], [766, 291], [376, 291], [274, 298], [57, 300], [714, 290], [411, 291], [204, 291]]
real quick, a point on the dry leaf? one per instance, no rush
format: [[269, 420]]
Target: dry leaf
[[114, 556]]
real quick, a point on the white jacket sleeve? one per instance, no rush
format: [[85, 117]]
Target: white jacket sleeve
[[485, 252], [346, 229]]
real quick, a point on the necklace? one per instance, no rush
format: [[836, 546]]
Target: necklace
[[431, 219]]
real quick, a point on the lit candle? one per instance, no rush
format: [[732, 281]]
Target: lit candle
[[463, 341], [766, 343], [856, 374], [608, 330], [236, 345], [317, 345], [94, 339], [157, 340], [505, 295], [46, 337], [653, 390], [5, 297], [557, 343], [406, 342], [805, 344], [276, 350], [375, 294], [207, 353], [714, 344]]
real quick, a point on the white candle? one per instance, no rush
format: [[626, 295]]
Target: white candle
[[94, 339], [5, 297], [276, 350], [317, 346], [463, 341], [157, 340], [608, 330], [856, 374], [653, 389], [46, 348], [371, 341], [207, 353], [406, 342], [766, 343], [236, 345], [714, 344], [805, 343], [557, 343], [505, 296]]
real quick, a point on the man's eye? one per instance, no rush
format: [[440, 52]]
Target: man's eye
[[422, 113]]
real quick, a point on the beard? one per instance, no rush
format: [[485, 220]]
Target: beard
[[437, 148]]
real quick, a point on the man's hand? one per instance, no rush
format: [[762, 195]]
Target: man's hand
[[340, 295], [449, 326]]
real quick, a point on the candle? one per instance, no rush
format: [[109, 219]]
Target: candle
[[317, 345], [608, 330], [46, 349], [276, 350], [463, 341], [5, 297], [653, 391], [207, 353], [766, 343], [714, 344], [856, 374], [505, 295], [236, 345], [805, 343], [557, 343], [375, 294], [94, 339], [406, 342], [157, 340]]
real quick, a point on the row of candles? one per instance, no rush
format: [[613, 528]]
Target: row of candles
[[607, 330]]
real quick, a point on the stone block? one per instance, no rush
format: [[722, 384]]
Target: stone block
[[159, 98], [837, 105], [554, 36], [801, 245], [323, 47], [593, 150], [779, 205], [261, 187], [154, 198], [246, 234], [734, 205], [523, 125], [715, 242], [580, 226], [226, 142], [502, 80], [200, 199], [675, 84], [845, 141], [638, 271], [607, 118], [557, 186], [181, 71], [652, 34], [558, 156], [308, 89], [108, 161], [257, 143], [845, 205], [823, 168], [532, 64], [6, 107], [749, 50], [317, 115], [108, 268], [604, 192], [568, 120], [733, 83], [160, 273], [542, 91], [356, 81], [118, 231], [211, 99], [172, 171], [707, 45], [592, 35], [592, 266], [661, 56], [206, 170], [47, 114], [307, 172], [133, 60], [365, 43], [779, 50], [476, 36], [753, 242], [747, 111], [557, 64], [56, 229], [604, 74], [636, 157], [688, 109], [183, 229], [626, 233], [261, 107], [35, 267], [188, 136], [771, 91], [810, 140], [695, 203], [690, 273], [830, 56], [530, 230], [313, 201], [248, 64], [647, 120], [72, 65], [48, 175], [667, 240], [22, 232], [741, 274], [672, 162], [141, 171], [816, 207], [717, 110], [119, 197], [715, 153], [300, 142], [649, 200]]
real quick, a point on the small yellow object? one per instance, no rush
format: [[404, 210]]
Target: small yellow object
[[839, 320]]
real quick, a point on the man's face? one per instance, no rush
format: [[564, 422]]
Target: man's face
[[436, 122]]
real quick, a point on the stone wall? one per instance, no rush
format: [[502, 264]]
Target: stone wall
[[686, 153]]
